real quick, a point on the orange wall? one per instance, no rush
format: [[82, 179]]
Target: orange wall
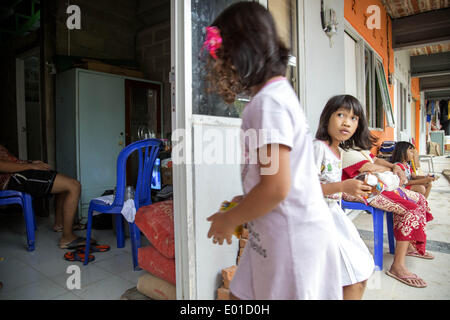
[[377, 39], [415, 90]]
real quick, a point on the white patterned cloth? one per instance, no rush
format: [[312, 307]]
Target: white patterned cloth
[[128, 209]]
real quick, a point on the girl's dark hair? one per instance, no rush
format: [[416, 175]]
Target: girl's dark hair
[[362, 138], [251, 52], [399, 153]]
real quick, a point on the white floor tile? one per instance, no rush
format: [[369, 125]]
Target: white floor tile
[[54, 267], [41, 274], [67, 296], [40, 290], [110, 288], [132, 276], [89, 274], [14, 278], [117, 264]]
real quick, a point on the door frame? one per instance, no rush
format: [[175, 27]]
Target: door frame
[[22, 140], [181, 96], [21, 109], [182, 140]]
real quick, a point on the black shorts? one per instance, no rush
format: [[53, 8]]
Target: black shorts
[[38, 183]]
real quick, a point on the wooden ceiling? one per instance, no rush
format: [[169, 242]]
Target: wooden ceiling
[[403, 8]]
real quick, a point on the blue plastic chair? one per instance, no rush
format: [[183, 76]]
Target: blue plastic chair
[[377, 215], [148, 151], [25, 200]]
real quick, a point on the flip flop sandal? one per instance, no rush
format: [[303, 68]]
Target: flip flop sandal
[[94, 248], [76, 227], [406, 278], [76, 243], [418, 255], [76, 256], [79, 226]]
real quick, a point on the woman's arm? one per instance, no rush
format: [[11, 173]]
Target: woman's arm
[[12, 167], [392, 167], [384, 163], [373, 167], [263, 198]]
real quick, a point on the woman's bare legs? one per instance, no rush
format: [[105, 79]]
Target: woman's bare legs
[[398, 267], [68, 192], [428, 189], [419, 188], [59, 200]]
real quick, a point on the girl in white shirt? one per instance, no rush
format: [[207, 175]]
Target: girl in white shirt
[[292, 251], [338, 123]]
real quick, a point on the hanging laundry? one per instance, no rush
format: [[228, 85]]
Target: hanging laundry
[[448, 110]]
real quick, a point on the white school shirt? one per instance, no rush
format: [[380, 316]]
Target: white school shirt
[[291, 252], [356, 261]]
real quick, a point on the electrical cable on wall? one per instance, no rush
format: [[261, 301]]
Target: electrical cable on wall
[[388, 51]]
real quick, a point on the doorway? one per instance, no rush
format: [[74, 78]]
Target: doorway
[[29, 109]]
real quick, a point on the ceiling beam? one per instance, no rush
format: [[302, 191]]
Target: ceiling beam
[[426, 28], [437, 95], [435, 83], [432, 63], [430, 74]]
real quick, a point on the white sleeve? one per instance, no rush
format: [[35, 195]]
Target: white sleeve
[[273, 122], [319, 155]]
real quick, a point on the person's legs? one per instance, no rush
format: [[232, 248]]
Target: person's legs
[[428, 189], [68, 191], [59, 201], [398, 267], [419, 188], [355, 291]]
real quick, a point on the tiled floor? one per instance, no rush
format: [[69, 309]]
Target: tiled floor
[[42, 274]]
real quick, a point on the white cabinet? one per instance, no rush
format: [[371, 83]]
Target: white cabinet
[[90, 129]]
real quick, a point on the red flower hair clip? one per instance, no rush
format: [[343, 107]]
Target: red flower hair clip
[[213, 41]]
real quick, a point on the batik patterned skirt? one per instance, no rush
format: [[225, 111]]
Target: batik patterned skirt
[[411, 214]]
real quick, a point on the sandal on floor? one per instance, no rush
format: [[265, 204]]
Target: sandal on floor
[[406, 279], [418, 255], [80, 241], [78, 226], [76, 256], [94, 248]]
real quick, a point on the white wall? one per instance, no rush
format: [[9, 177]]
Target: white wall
[[215, 139], [324, 67], [401, 73], [423, 126]]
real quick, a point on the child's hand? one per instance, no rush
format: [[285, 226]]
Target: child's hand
[[356, 188], [221, 227]]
